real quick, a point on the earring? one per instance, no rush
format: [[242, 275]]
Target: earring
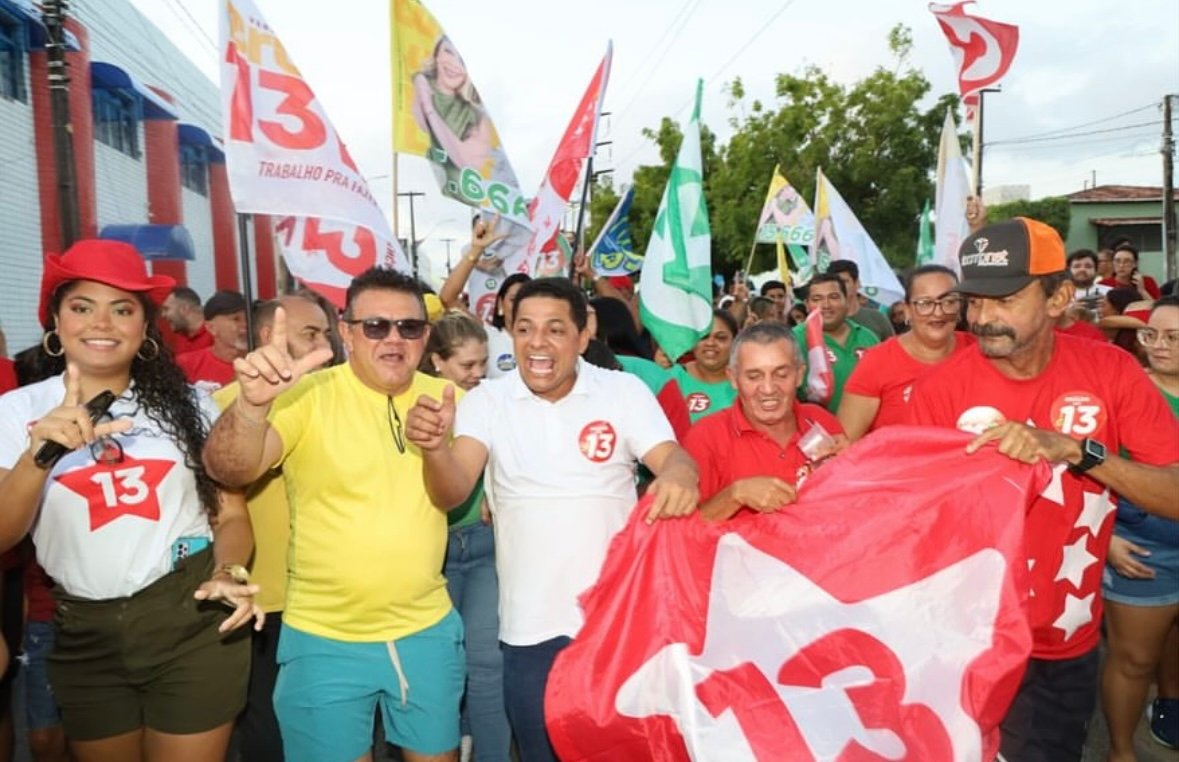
[[45, 344], [152, 354]]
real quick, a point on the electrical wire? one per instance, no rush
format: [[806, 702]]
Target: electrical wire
[[1102, 120], [1075, 134]]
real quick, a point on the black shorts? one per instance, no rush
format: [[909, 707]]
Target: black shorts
[[152, 660], [1049, 719]]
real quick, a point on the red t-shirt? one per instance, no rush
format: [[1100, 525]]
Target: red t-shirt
[[38, 591], [1148, 283], [203, 368], [7, 375], [182, 344], [1087, 390], [727, 448], [887, 372], [1085, 331]]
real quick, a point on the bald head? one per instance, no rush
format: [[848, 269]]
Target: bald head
[[307, 324]]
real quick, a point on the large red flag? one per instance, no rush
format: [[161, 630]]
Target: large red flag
[[883, 616], [983, 49]]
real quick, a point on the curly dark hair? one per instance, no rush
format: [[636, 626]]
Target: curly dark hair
[[165, 395]]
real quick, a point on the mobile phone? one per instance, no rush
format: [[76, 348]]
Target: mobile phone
[[51, 452]]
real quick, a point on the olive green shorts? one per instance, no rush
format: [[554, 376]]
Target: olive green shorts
[[152, 660]]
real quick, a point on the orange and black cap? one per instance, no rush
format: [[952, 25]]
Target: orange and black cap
[[1003, 258]]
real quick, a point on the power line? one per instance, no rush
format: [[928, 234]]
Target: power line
[[683, 22], [1076, 134], [194, 23], [1085, 124]]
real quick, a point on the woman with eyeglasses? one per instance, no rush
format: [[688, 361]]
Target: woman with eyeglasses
[[1141, 583], [143, 546], [878, 389], [457, 351]]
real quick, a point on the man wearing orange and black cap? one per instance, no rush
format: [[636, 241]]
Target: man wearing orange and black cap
[[1039, 394]]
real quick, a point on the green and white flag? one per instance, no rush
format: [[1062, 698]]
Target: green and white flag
[[925, 237], [675, 297]]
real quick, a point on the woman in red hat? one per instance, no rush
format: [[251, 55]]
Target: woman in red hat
[[145, 550]]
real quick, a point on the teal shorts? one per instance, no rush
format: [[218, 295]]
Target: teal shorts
[[328, 690]]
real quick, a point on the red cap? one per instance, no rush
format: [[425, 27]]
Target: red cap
[[113, 263]]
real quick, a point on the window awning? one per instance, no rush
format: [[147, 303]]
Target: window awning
[[31, 15], [154, 241], [191, 135], [107, 76]]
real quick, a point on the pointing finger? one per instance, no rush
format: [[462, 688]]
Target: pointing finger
[[311, 361], [278, 334], [448, 397], [73, 382]]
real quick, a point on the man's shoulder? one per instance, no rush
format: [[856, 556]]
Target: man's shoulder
[[718, 426], [862, 335]]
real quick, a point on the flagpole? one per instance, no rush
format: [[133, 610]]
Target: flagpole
[[579, 235], [243, 237], [396, 228]]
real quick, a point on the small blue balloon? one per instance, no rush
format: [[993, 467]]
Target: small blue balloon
[[719, 280]]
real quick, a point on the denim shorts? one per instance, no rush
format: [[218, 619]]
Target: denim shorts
[[328, 690], [1163, 590], [40, 706]]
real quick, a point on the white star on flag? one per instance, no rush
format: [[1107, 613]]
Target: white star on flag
[[759, 599], [1077, 613], [1097, 507], [1055, 489], [1075, 561]]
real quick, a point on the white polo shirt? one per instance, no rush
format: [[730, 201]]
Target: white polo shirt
[[560, 482], [501, 357], [106, 531]]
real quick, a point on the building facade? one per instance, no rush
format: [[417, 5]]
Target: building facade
[[1106, 213], [148, 168]]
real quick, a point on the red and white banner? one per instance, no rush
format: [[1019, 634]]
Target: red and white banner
[[282, 154], [327, 254], [883, 616], [983, 49], [577, 145], [820, 378]]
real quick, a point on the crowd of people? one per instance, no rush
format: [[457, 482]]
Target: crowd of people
[[392, 509]]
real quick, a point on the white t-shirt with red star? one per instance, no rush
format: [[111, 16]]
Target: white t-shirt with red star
[[1088, 390], [106, 530]]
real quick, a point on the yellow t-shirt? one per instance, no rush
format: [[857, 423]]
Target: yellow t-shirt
[[270, 516], [367, 544]]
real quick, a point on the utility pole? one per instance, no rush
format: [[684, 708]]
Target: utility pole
[[1169, 231], [413, 239], [448, 242], [53, 14]]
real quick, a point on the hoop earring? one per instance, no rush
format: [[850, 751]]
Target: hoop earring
[[45, 344], [153, 354]]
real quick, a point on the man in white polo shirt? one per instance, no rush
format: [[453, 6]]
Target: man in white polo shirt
[[559, 438]]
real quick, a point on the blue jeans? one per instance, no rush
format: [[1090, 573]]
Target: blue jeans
[[474, 589], [526, 670]]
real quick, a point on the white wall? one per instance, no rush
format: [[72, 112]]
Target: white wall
[[198, 218], [20, 225], [120, 186]]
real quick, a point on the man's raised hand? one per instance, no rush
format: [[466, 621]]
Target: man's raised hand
[[270, 370]]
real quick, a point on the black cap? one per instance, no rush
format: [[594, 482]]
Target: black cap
[[1003, 258], [224, 303]]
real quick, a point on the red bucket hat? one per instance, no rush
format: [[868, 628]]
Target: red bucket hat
[[113, 263]]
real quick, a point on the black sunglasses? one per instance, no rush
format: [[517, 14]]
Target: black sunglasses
[[376, 329]]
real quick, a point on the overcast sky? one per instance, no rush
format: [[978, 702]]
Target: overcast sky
[[1083, 66]]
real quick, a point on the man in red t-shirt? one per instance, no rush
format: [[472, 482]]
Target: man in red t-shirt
[[1038, 393], [182, 311], [212, 367], [750, 454]]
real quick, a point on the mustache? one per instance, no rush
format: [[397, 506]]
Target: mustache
[[991, 330]]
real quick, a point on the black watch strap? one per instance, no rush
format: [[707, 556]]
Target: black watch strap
[[1092, 454]]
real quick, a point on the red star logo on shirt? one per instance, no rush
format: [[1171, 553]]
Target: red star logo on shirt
[[129, 488]]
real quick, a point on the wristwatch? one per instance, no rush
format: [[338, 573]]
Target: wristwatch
[[1092, 454], [236, 572]]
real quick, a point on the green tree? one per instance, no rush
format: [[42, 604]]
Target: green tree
[[872, 139], [1054, 211]]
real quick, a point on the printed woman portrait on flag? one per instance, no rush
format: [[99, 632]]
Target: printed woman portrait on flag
[[448, 107], [786, 209]]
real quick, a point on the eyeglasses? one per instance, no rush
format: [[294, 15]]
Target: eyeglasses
[[395, 425], [376, 329], [1149, 337], [949, 305], [106, 450]]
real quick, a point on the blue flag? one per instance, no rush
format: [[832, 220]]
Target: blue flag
[[614, 251]]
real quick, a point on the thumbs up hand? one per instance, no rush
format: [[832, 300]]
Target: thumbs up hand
[[429, 421]]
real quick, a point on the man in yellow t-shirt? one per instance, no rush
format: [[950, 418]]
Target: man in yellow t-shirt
[[308, 329], [367, 621]]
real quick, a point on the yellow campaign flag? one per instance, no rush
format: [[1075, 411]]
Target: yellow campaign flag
[[783, 263], [784, 215]]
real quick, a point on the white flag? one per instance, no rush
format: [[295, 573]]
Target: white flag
[[839, 235], [953, 188]]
